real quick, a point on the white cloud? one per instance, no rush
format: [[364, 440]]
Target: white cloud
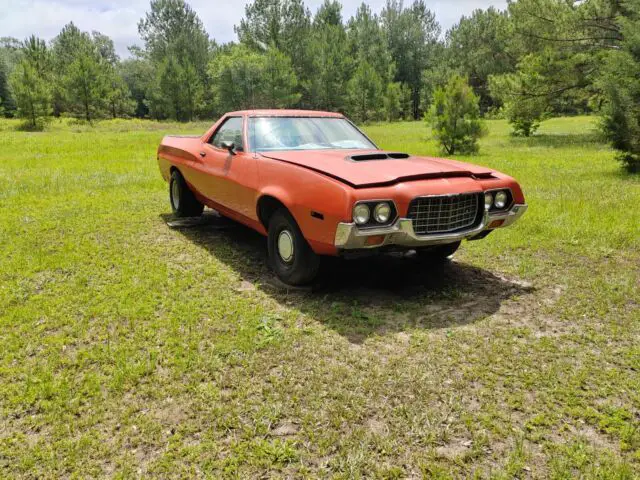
[[119, 18]]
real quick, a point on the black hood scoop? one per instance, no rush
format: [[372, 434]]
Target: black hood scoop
[[365, 157]]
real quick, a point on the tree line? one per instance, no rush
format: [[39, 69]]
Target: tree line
[[536, 59]]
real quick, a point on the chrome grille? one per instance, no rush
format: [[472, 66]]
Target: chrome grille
[[445, 213]]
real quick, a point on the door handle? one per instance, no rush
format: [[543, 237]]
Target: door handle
[[203, 154]]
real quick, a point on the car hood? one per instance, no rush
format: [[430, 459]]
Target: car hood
[[345, 166]]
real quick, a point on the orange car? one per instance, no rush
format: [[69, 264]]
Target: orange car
[[315, 185]]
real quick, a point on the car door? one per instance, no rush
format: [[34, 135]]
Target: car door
[[234, 176]]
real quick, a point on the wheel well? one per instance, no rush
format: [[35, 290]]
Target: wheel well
[[267, 206], [173, 169]]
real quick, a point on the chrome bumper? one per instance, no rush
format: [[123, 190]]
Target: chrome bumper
[[349, 236]]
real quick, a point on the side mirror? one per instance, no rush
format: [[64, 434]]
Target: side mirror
[[228, 145]]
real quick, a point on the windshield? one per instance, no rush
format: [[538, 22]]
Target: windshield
[[304, 133]]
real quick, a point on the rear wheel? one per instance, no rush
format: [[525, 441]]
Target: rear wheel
[[183, 202], [290, 255], [439, 253]]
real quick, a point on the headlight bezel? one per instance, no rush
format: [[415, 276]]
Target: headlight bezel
[[376, 213], [373, 222], [494, 192], [500, 199], [488, 200], [355, 215]]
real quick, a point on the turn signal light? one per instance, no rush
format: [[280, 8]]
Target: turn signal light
[[374, 240]]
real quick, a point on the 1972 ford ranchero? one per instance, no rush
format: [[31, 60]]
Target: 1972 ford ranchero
[[315, 185]]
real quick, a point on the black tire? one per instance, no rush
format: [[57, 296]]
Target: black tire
[[439, 253], [301, 266], [183, 202]]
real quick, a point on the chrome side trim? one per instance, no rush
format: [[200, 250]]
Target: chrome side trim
[[349, 236]]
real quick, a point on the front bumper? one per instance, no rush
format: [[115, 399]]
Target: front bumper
[[349, 236]]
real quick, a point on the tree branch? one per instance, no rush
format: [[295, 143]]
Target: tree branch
[[566, 40]]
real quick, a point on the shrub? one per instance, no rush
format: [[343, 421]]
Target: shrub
[[522, 109], [455, 117], [524, 115]]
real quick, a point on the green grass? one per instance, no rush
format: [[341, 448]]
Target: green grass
[[130, 349]]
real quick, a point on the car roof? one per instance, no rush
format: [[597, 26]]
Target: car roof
[[285, 113]]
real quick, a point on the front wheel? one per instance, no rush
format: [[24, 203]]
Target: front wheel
[[290, 255], [183, 202]]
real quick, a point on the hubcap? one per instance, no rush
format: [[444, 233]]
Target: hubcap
[[175, 194], [285, 245]]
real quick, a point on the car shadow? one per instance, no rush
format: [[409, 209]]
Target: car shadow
[[364, 297]]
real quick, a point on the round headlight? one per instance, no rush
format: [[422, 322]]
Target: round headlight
[[382, 212], [361, 214], [501, 199], [488, 200]]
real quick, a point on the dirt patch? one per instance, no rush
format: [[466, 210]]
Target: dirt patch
[[377, 427], [170, 413], [145, 456], [596, 438], [285, 429], [245, 286], [403, 338], [454, 450], [587, 433]]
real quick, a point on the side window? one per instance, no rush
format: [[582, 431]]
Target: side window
[[230, 131]]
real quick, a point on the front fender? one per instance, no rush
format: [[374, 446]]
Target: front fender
[[316, 202]]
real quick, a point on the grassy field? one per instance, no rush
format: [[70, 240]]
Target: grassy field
[[131, 349]]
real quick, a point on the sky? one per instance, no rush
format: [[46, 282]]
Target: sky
[[119, 18]]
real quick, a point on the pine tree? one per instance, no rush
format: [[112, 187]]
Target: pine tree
[[118, 99], [455, 117], [392, 101], [176, 43], [10, 54], [326, 88], [64, 48], [243, 78], [478, 48], [621, 86], [236, 78], [86, 83], [6, 98], [85, 69], [365, 93], [138, 74], [411, 34], [283, 24], [280, 81], [31, 85], [523, 111], [368, 44]]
